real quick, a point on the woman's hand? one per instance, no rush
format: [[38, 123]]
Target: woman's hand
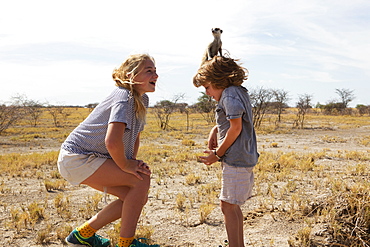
[[135, 167]]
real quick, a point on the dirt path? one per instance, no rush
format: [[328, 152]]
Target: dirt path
[[170, 226]]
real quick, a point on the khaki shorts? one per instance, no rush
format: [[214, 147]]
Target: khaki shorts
[[237, 184], [75, 168]]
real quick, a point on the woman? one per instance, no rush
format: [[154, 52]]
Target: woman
[[101, 153]]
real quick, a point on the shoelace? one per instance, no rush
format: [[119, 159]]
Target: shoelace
[[142, 244]]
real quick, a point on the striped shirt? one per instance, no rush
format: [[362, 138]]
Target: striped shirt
[[89, 136]]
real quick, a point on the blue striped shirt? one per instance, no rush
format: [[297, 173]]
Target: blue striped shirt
[[89, 136]]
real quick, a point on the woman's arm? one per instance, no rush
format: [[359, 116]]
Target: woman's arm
[[116, 149], [136, 147], [114, 143]]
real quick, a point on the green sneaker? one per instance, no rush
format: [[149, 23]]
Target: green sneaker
[[75, 239], [137, 243]]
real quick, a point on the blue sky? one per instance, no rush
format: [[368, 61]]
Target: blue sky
[[63, 52]]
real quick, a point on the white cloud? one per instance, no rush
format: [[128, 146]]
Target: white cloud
[[283, 43]]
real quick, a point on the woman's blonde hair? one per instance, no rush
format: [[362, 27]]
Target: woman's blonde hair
[[124, 76], [221, 72]]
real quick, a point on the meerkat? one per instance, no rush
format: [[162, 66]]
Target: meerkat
[[215, 46]]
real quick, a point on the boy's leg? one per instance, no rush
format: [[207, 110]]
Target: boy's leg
[[237, 184], [241, 221], [234, 223]]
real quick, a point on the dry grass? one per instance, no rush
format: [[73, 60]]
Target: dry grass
[[331, 203]]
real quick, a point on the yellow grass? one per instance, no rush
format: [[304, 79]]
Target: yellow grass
[[284, 180]]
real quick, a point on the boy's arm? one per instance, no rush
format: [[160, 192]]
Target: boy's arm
[[232, 133], [212, 139]]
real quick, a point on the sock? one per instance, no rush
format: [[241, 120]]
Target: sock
[[86, 230], [125, 242]]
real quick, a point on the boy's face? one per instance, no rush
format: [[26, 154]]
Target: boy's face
[[215, 93]]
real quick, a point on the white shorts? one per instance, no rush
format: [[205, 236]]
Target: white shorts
[[237, 184], [75, 168]]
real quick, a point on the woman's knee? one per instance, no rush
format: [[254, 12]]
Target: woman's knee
[[143, 184], [139, 187]]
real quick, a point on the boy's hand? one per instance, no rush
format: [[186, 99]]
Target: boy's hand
[[210, 159]]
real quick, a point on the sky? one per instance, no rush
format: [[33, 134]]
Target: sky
[[64, 52]]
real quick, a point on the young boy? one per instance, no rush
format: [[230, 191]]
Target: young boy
[[222, 78]]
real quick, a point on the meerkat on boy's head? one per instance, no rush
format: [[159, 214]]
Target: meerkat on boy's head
[[214, 47]]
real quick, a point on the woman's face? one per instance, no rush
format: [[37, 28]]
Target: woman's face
[[215, 93], [146, 78]]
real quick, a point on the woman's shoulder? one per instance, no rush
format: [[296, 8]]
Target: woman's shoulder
[[121, 94]]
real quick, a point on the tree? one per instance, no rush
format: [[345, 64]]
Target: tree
[[260, 99], [363, 109], [184, 108], [206, 107], [332, 108], [91, 106], [10, 114], [58, 113], [164, 109], [345, 95], [32, 109], [303, 104], [281, 98]]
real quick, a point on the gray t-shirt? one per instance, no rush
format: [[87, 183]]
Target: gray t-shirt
[[235, 103], [89, 136]]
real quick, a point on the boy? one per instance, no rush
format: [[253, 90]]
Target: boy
[[222, 78]]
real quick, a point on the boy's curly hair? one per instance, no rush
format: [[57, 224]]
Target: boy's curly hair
[[221, 72]]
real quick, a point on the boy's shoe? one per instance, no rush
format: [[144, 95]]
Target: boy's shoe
[[75, 239], [226, 242], [137, 243]]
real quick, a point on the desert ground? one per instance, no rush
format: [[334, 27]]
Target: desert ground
[[299, 170]]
